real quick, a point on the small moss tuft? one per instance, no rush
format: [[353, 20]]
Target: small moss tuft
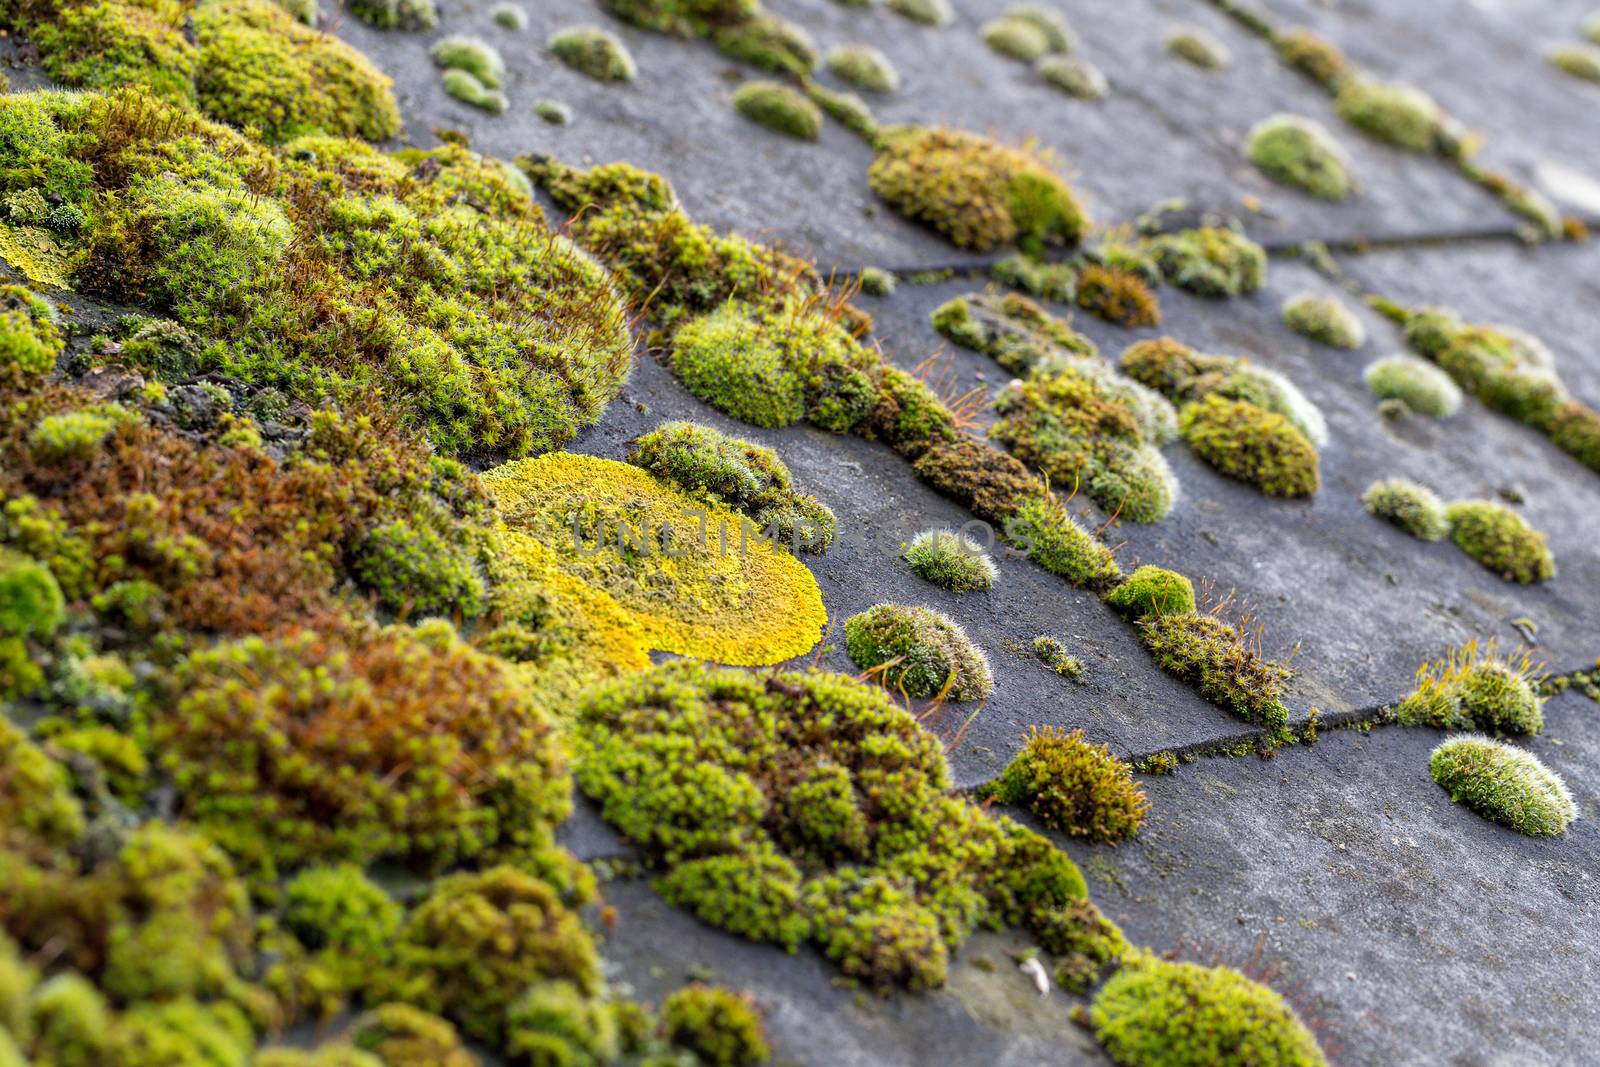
[[951, 561], [780, 108], [1313, 56], [847, 109], [465, 87], [1504, 783], [1073, 786], [926, 652], [1412, 507], [396, 14], [936, 13], [1579, 60], [1076, 77], [719, 1026], [1212, 656], [1211, 261], [594, 52], [1151, 590], [875, 281], [1501, 540], [477, 57], [1475, 688], [1299, 152], [403, 1036], [1053, 654], [1118, 296], [769, 42], [1199, 48], [1155, 1013], [864, 67], [1324, 319], [1422, 387], [1251, 444], [1395, 114], [509, 16], [553, 111]]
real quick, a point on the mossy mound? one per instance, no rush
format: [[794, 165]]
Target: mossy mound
[[807, 806], [1296, 151], [780, 108], [331, 270], [1505, 784], [923, 653], [410, 15], [935, 13], [717, 1025], [864, 67], [636, 544], [594, 53], [1579, 60], [1314, 56], [1200, 49], [951, 561], [1217, 661], [1118, 296], [1412, 507], [1073, 786], [978, 193], [1155, 1013], [1076, 77], [746, 477], [769, 42], [1212, 261], [1012, 330], [473, 55], [1422, 387], [1153, 590], [1400, 115], [1324, 319], [1501, 540], [851, 112], [1251, 444], [403, 1036], [1475, 689]]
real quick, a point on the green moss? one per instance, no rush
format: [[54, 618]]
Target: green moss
[[339, 909], [847, 109], [1501, 540], [403, 1036], [1575, 429], [936, 13], [1412, 507], [1043, 530], [1299, 152], [258, 67], [1076, 77], [1313, 56], [718, 1026], [465, 87], [553, 111], [1579, 60], [724, 359], [1422, 387], [1155, 1013], [1073, 786], [1151, 590], [752, 479], [1507, 370], [105, 44], [396, 14], [891, 871], [864, 67], [951, 561], [418, 571], [769, 42], [1251, 444], [474, 55], [1199, 48], [555, 1022], [1395, 114], [76, 435], [1211, 261], [510, 16], [1056, 282], [1475, 689], [1214, 657], [1012, 330], [31, 605], [780, 108], [987, 481], [875, 281], [1118, 296], [1324, 319], [1503, 783], [593, 52], [1017, 38], [923, 653], [976, 192], [37, 808]]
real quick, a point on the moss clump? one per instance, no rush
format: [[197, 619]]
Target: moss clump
[[474, 55], [555, 1022], [1395, 114], [1505, 784], [403, 1036], [491, 781], [1501, 540], [1575, 429], [1042, 529], [1151, 590], [1324, 319], [594, 53], [1508, 371], [769, 42], [780, 108], [410, 15], [976, 192], [1053, 654], [875, 281], [717, 1025], [1422, 387], [864, 67], [1475, 689], [1056, 282], [1412, 507], [101, 45], [1199, 48], [1185, 376], [848, 110], [1073, 786], [76, 435], [935, 13], [923, 653], [1211, 261], [257, 66], [1313, 56], [1083, 427], [818, 796], [1012, 330], [1212, 656], [989, 482], [465, 87], [553, 111], [1118, 296], [1296, 151], [339, 908], [30, 339], [509, 16], [951, 561], [1251, 444], [1579, 60], [1076, 77], [725, 470], [1017, 38], [1154, 1013]]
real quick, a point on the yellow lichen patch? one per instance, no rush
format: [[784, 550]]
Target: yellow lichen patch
[[694, 578], [35, 253]]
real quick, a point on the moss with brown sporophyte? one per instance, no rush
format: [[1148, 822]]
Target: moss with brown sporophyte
[[1296, 151], [1324, 319], [780, 108], [1501, 540], [1214, 261], [1506, 784], [1316, 57], [923, 653], [593, 52], [977, 192], [1118, 296], [1475, 688], [1073, 786], [1215, 658], [805, 806], [1412, 507]]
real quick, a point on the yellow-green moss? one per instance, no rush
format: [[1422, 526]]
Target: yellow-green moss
[[1412, 507], [1313, 56], [864, 67], [1211, 261], [734, 599], [1504, 783], [1299, 152], [1475, 688], [923, 653], [1251, 444], [1151, 590], [774, 44], [950, 560], [1324, 319], [1073, 786], [780, 108], [720, 1027], [396, 14], [1501, 540], [1395, 114], [474, 55], [1199, 48], [1214, 657], [1076, 77], [1579, 60], [1422, 387], [593, 52], [935, 13]]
